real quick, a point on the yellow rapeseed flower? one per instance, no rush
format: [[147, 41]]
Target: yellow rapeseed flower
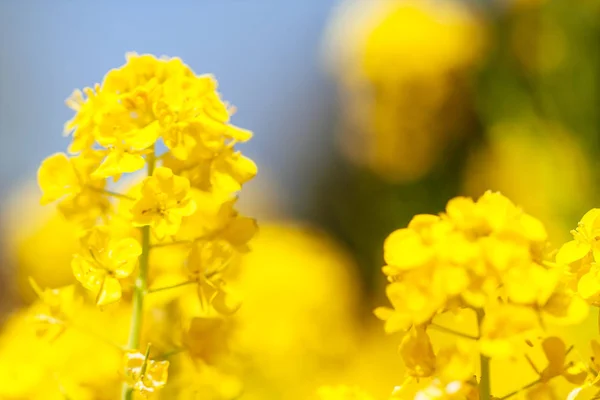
[[486, 256], [103, 262], [164, 201], [69, 180], [186, 217]]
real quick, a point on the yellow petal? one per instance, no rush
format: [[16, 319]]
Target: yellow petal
[[555, 351], [118, 162], [589, 284], [226, 302], [572, 251], [404, 249], [110, 292], [57, 178], [124, 257]]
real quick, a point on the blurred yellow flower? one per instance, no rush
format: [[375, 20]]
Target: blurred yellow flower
[[402, 67], [312, 329], [537, 165], [82, 363]]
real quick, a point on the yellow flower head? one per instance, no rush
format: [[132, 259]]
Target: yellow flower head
[[103, 262], [164, 201], [468, 256], [187, 211], [487, 256]]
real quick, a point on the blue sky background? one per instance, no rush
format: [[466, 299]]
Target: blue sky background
[[265, 54]]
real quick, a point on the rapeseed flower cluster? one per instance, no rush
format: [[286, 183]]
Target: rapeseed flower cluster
[[179, 220], [487, 256], [482, 272]]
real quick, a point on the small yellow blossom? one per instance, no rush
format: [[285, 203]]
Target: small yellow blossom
[[69, 180], [144, 375], [57, 306], [83, 125], [103, 262], [164, 201]]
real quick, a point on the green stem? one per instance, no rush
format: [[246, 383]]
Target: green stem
[[484, 381], [174, 243], [110, 193], [513, 393], [160, 289], [139, 291], [452, 331]]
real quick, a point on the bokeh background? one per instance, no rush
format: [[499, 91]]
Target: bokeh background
[[365, 112]]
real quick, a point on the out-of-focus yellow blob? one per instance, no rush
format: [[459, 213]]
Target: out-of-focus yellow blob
[[541, 168], [37, 241], [403, 66], [82, 363], [297, 323]]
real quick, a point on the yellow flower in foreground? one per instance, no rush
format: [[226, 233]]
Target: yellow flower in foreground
[[144, 375], [103, 262], [164, 201]]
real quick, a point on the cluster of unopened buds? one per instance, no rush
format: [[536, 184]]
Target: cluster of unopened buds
[[155, 119]]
